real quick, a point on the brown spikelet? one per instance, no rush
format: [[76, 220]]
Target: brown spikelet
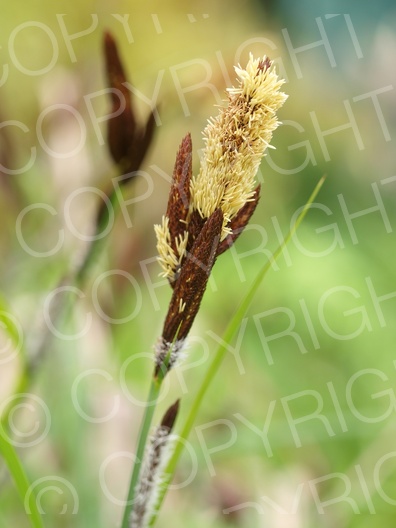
[[239, 222], [128, 142], [121, 128], [195, 224], [192, 281], [154, 458], [179, 195], [139, 147], [146, 137]]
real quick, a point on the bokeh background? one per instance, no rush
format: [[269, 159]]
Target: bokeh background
[[298, 427]]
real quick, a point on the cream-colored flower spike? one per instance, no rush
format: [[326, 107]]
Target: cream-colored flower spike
[[236, 141]]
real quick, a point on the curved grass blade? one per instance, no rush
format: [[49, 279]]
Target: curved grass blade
[[9, 326], [7, 450], [21, 481]]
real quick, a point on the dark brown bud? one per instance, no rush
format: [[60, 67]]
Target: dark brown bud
[[145, 139], [121, 128], [192, 281], [195, 225], [179, 194], [169, 418]]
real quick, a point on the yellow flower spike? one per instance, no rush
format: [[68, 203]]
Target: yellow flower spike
[[236, 141]]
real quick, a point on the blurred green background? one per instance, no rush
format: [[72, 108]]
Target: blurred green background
[[298, 428]]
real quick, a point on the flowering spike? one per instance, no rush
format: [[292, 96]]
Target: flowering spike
[[207, 212], [236, 141], [155, 458]]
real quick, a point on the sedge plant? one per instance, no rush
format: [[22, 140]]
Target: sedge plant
[[206, 213]]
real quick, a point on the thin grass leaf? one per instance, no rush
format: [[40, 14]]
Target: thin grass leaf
[[10, 329], [6, 323], [229, 333], [21, 481], [7, 450]]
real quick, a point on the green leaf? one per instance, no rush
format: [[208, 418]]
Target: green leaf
[[21, 480], [10, 326]]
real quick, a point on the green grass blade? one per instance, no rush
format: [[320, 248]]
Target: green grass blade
[[6, 323], [221, 352], [9, 326], [21, 481]]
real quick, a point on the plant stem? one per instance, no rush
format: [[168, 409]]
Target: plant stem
[[144, 432], [220, 354], [107, 212]]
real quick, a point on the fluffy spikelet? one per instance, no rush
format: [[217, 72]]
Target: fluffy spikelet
[[175, 351], [169, 257], [236, 141], [155, 458]]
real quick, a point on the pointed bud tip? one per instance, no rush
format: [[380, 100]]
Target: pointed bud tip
[[108, 40], [187, 139], [170, 416]]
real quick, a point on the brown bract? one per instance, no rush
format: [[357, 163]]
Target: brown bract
[[169, 418], [128, 142], [191, 284], [179, 195]]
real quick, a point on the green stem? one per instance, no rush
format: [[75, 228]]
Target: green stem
[[98, 243], [151, 404], [220, 354], [21, 481], [144, 432]]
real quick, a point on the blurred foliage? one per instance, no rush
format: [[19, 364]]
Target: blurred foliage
[[322, 389]]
